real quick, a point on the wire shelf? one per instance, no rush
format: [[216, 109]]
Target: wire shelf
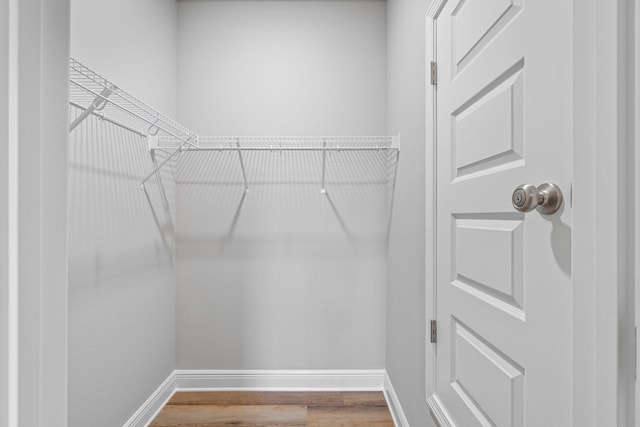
[[322, 144], [94, 94], [287, 143]]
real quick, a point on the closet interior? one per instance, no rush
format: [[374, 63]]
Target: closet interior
[[207, 239]]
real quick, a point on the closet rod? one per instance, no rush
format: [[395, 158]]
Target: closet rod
[[107, 119], [152, 124]]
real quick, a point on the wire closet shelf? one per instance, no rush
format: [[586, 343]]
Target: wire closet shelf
[[94, 95]]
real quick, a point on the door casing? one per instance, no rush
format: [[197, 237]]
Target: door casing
[[33, 268], [636, 224], [603, 240]]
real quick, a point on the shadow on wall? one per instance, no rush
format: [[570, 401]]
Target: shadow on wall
[[284, 202], [117, 230], [284, 276], [121, 273]]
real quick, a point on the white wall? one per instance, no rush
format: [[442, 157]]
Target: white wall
[[283, 67], [406, 319], [121, 254], [285, 277], [133, 43]]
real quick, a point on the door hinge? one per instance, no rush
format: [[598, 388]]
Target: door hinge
[[434, 331], [434, 73]]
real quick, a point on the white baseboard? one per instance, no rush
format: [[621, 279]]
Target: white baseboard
[[290, 380], [439, 413], [152, 406], [399, 418]]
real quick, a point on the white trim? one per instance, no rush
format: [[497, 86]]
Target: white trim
[[291, 380], [397, 413], [13, 238], [36, 158], [605, 197], [440, 414], [430, 195], [154, 404], [626, 310], [434, 8], [636, 171], [584, 364]]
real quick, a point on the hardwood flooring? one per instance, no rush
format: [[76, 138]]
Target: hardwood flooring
[[275, 409]]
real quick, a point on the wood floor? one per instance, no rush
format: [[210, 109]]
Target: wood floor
[[275, 409]]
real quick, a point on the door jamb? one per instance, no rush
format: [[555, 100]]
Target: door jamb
[[635, 211], [5, 338], [438, 412], [603, 195]]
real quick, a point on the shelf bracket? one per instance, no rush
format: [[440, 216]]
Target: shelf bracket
[[98, 103], [323, 190], [157, 169], [393, 192], [244, 173], [153, 142]]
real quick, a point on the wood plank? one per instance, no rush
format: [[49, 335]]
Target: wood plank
[[354, 416], [234, 398], [237, 416], [363, 398]]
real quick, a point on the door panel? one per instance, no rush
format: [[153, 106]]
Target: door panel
[[504, 118], [494, 116], [494, 275], [491, 383], [476, 23]]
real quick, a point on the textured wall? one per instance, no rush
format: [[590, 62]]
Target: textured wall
[[406, 289], [284, 277], [121, 242]]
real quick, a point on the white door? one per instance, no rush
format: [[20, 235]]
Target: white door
[[504, 118]]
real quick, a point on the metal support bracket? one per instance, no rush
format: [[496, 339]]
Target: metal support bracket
[[323, 190], [153, 142], [393, 191], [157, 169], [98, 103], [395, 141], [244, 173]]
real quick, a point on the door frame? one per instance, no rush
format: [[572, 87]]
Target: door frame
[[4, 216], [33, 220], [437, 411], [636, 169], [603, 260]]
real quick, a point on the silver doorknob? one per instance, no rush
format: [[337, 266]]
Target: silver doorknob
[[546, 198]]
